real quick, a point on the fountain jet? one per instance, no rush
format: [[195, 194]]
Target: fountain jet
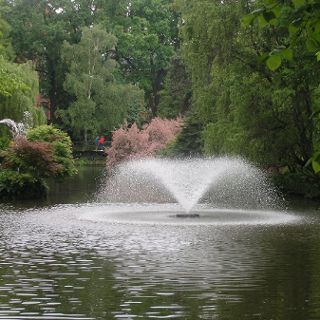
[[19, 128], [222, 182]]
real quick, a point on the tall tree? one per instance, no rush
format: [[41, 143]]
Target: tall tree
[[40, 28], [100, 102], [299, 23], [298, 19], [19, 88], [245, 108], [175, 98], [147, 32], [6, 49]]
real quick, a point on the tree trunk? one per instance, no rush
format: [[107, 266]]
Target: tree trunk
[[157, 86]]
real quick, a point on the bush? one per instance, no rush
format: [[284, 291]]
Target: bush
[[61, 146], [15, 185], [302, 183], [132, 143], [34, 157], [45, 152]]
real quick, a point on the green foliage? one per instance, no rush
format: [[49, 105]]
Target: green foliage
[[18, 92], [273, 62], [9, 81], [315, 162], [189, 141], [299, 20], [175, 98], [147, 36], [299, 23], [60, 145], [302, 183], [6, 50], [4, 139], [40, 28], [27, 161], [243, 107], [101, 103], [16, 185]]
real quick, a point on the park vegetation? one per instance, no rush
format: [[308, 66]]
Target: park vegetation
[[45, 152], [133, 143], [233, 77]]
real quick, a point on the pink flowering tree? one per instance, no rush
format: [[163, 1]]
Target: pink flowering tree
[[133, 143]]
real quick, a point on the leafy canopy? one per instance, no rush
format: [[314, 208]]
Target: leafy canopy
[[101, 102]]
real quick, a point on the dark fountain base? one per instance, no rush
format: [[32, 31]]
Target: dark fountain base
[[188, 215]]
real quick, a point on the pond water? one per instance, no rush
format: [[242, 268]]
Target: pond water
[[63, 259]]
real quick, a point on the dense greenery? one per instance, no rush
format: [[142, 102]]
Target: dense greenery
[[44, 152], [141, 36], [300, 21], [100, 101], [245, 75], [18, 91], [270, 116]]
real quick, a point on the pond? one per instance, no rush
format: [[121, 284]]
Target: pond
[[56, 263]]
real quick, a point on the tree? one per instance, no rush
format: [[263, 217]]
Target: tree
[[175, 98], [298, 19], [60, 145], [19, 88], [40, 28], [100, 101], [44, 152], [133, 143], [6, 50], [147, 37], [243, 106]]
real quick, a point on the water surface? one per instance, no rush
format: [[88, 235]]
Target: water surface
[[55, 263]]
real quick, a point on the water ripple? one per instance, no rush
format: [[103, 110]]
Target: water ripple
[[55, 265]]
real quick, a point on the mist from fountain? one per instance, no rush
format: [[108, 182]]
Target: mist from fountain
[[19, 128], [221, 182]]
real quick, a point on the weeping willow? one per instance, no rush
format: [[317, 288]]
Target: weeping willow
[[19, 87]]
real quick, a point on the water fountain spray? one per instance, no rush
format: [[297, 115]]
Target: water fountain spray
[[222, 182], [19, 128]]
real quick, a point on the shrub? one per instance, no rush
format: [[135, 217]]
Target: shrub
[[61, 146], [14, 184], [132, 143], [45, 152], [34, 157], [301, 182]]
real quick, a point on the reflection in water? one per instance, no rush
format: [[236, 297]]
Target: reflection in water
[[54, 264]]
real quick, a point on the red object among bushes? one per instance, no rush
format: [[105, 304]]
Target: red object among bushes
[[133, 143]]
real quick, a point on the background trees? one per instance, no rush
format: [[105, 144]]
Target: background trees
[[141, 36], [147, 32], [40, 28], [244, 106], [101, 102], [19, 88], [244, 74]]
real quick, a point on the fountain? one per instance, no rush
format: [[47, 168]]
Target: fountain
[[16, 129], [219, 181], [131, 255], [19, 128], [217, 190]]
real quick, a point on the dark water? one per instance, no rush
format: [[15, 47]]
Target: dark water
[[56, 265]]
